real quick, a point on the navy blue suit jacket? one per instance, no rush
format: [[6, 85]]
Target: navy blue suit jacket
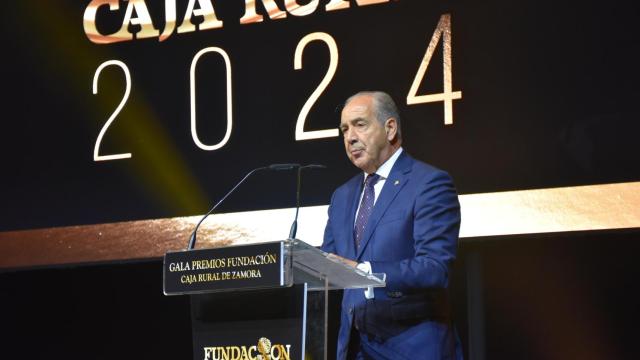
[[412, 237]]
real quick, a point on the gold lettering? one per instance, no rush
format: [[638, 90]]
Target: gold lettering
[[170, 17], [207, 264], [213, 276], [217, 354], [273, 352], [300, 10], [188, 279], [89, 24], [286, 352], [251, 16], [234, 353], [243, 353], [207, 351], [344, 4], [179, 266], [246, 274], [337, 5], [144, 20], [252, 352], [206, 11], [264, 350], [252, 260]]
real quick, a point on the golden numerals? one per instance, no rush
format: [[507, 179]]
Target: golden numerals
[[192, 77], [333, 65], [127, 91], [442, 31]]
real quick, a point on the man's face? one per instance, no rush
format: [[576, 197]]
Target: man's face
[[366, 141]]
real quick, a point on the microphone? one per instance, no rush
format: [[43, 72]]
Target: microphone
[[192, 239], [314, 166], [283, 166], [294, 226]]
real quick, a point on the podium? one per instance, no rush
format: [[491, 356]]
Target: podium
[[260, 301]]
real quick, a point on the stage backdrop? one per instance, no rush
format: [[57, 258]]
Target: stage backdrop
[[124, 121]]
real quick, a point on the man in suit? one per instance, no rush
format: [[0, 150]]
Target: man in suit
[[400, 217]]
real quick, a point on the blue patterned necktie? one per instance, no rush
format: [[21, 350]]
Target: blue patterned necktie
[[366, 207]]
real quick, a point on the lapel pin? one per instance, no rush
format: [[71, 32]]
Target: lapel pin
[[396, 182]]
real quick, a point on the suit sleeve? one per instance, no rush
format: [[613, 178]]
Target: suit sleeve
[[328, 243], [436, 225]]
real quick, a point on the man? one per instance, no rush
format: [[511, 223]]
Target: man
[[400, 217]]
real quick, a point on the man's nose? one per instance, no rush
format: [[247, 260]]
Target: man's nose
[[351, 137]]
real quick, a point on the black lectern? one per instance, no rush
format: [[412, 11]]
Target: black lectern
[[260, 301]]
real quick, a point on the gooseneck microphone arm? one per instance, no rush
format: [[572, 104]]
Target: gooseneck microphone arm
[[192, 240], [294, 225]]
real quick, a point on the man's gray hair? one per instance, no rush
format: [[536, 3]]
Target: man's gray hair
[[384, 106]]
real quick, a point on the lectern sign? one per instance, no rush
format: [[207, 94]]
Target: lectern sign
[[229, 268]]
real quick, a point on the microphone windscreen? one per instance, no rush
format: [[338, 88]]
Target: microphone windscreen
[[283, 166], [314, 166]]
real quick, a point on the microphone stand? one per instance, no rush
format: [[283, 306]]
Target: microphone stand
[[192, 239], [294, 224], [276, 167]]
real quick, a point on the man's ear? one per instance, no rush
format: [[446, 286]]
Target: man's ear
[[391, 128]]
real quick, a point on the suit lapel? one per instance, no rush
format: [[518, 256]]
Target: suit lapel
[[398, 178]]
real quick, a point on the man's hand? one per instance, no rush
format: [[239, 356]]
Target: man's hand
[[345, 261]]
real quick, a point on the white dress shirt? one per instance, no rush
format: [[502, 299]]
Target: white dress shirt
[[383, 171]]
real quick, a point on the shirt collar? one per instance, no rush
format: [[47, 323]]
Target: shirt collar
[[385, 169]]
